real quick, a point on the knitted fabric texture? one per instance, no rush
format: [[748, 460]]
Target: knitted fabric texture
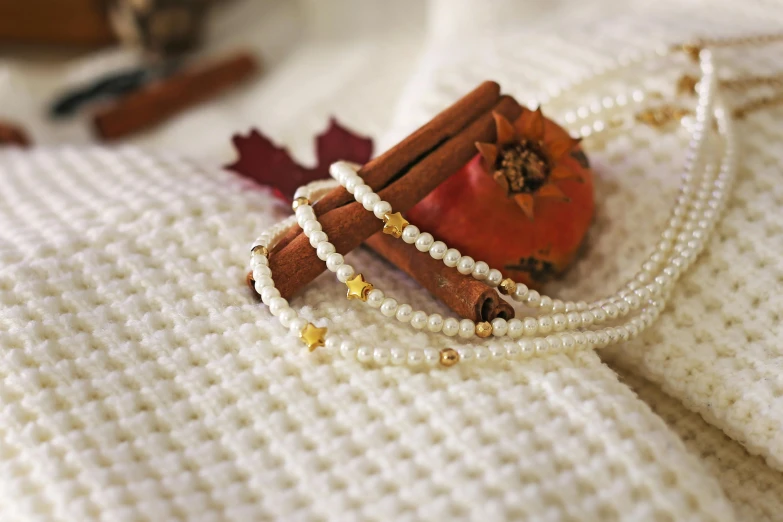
[[141, 380]]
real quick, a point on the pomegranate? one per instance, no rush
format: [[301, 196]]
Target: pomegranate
[[523, 204]]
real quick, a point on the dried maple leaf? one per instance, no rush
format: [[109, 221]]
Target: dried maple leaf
[[272, 166]]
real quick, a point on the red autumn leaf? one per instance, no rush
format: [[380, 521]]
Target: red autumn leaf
[[272, 166]]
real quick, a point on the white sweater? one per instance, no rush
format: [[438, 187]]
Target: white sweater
[[140, 379]]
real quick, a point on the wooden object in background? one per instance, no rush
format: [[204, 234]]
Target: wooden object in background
[[64, 22], [163, 99]]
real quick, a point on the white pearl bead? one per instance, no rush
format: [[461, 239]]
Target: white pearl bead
[[297, 325], [568, 342], [404, 313], [431, 356], [465, 353], [558, 322], [263, 282], [574, 320], [389, 307], [259, 259], [521, 292], [375, 298], [332, 343], [352, 182], [555, 343], [277, 305], [324, 249], [286, 316], [344, 273], [261, 271], [364, 354], [533, 299], [499, 327], [311, 226], [419, 320], [381, 355], [481, 353], [424, 242], [531, 326], [546, 303], [497, 350], [269, 293], [513, 351], [415, 357], [369, 200], [558, 306], [334, 261], [451, 327], [360, 191], [304, 213], [515, 328], [435, 323], [381, 208], [599, 316], [527, 348], [545, 324], [542, 346], [340, 169], [467, 328], [587, 318], [480, 271], [318, 237], [410, 234], [348, 349], [465, 265], [494, 277], [438, 250], [399, 355], [451, 258], [611, 310]]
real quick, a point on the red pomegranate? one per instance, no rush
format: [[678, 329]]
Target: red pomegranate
[[523, 204]]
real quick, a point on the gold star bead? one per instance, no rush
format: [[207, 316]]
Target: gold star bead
[[394, 224], [261, 249], [298, 202], [312, 336], [507, 286], [483, 329], [449, 357], [358, 288]]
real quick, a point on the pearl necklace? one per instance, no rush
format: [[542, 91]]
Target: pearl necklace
[[564, 326]]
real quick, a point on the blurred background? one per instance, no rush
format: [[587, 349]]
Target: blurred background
[[290, 65]]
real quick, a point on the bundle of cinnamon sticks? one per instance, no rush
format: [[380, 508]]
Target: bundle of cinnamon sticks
[[403, 176]]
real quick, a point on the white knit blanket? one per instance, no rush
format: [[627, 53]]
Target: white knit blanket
[[140, 379]]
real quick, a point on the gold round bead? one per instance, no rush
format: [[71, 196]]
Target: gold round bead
[[449, 357], [484, 329], [260, 249], [507, 286], [298, 202]]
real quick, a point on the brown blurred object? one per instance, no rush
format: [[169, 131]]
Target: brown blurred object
[[11, 134], [161, 100], [72, 22], [159, 27]]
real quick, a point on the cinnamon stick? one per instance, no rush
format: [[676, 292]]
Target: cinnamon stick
[[466, 296], [393, 163], [163, 99], [296, 264]]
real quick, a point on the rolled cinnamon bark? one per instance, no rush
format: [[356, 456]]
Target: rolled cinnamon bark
[[296, 264], [468, 297], [161, 100], [393, 163]]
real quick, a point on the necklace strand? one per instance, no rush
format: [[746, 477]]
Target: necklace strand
[[567, 327]]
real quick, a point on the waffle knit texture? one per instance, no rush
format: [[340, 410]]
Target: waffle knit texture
[[141, 380]]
